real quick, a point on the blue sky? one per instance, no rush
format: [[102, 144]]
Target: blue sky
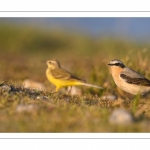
[[135, 28]]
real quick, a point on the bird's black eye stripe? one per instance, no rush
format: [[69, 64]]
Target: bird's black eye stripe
[[122, 65], [118, 64]]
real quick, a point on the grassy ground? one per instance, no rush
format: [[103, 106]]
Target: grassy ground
[[22, 52]]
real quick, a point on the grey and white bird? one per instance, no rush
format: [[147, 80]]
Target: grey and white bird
[[128, 79]]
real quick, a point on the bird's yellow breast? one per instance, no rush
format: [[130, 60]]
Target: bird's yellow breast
[[60, 82]]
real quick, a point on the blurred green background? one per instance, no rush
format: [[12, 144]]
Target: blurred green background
[[75, 42]]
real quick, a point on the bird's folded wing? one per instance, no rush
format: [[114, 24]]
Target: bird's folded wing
[[63, 74], [137, 81], [60, 74], [131, 73]]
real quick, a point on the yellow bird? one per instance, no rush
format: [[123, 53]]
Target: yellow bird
[[62, 78]]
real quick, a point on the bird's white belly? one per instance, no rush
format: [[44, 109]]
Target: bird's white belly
[[131, 88]]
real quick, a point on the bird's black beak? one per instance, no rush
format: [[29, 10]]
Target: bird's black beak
[[109, 64]]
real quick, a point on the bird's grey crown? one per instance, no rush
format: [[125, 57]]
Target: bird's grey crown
[[116, 62]]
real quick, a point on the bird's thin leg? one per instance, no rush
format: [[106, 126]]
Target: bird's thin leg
[[69, 90], [54, 91]]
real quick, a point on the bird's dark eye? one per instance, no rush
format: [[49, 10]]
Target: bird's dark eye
[[117, 64], [50, 62], [120, 65]]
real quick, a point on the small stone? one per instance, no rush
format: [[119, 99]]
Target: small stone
[[26, 108], [120, 116], [5, 88], [109, 97], [31, 84], [42, 97]]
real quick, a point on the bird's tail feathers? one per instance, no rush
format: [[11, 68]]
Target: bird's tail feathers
[[91, 85]]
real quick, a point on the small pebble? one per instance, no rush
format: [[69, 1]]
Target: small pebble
[[31, 84], [109, 97], [120, 116], [5, 88], [26, 108], [42, 97]]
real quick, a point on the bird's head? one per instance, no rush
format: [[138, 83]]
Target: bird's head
[[116, 63], [53, 64]]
